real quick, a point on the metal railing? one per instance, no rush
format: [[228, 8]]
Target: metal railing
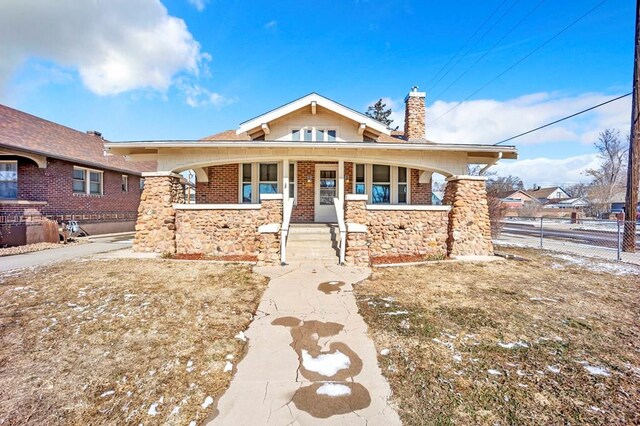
[[284, 229], [588, 237], [339, 205]]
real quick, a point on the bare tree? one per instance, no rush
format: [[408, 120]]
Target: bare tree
[[609, 178]]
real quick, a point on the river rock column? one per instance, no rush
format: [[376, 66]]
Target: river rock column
[[469, 232], [270, 221], [156, 228], [356, 220]]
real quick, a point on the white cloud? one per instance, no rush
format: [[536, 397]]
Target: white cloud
[[549, 171], [271, 25], [489, 121], [199, 4], [198, 96], [116, 46]]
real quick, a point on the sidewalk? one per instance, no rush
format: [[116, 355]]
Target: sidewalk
[[38, 258], [309, 359]]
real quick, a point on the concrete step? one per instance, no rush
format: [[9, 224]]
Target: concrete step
[[310, 229], [307, 251], [309, 237]]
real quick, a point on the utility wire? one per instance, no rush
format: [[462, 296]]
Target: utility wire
[[477, 41], [563, 119], [491, 48], [534, 51]]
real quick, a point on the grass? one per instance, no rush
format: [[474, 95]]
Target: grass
[[99, 342], [510, 342]]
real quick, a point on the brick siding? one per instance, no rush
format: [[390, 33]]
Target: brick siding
[[420, 192], [54, 185], [223, 185]]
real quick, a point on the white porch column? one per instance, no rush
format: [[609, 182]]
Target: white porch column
[[341, 180], [285, 181]]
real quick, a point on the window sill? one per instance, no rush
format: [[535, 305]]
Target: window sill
[[408, 207], [83, 194], [23, 202]]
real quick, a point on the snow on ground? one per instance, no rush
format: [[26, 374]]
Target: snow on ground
[[513, 345], [228, 366], [325, 364], [597, 371], [396, 313], [494, 372], [241, 336], [385, 352], [612, 267], [207, 402], [333, 389]]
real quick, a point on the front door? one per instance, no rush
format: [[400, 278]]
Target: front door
[[326, 191]]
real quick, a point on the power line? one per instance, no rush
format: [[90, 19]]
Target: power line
[[563, 119], [491, 48], [534, 51], [476, 42]]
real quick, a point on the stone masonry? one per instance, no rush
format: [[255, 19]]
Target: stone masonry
[[391, 233], [230, 232], [155, 228], [414, 122], [469, 227]]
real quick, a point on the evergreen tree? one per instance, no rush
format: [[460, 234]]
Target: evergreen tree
[[380, 112]]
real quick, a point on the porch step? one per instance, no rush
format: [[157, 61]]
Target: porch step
[[312, 242]]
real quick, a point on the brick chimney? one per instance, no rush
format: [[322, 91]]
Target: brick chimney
[[414, 125]]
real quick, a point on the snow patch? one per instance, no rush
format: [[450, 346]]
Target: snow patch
[[333, 389], [597, 371], [241, 336], [396, 313], [107, 393], [228, 366], [553, 368], [513, 345], [385, 352], [612, 267], [325, 364], [207, 402], [494, 372]]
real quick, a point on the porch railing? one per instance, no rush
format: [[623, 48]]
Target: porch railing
[[284, 229], [339, 205]]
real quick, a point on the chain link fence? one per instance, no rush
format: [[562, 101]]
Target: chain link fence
[[586, 237]]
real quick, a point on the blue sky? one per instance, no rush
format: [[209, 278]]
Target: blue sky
[[185, 69]]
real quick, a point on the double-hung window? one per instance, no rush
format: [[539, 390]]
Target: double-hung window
[[381, 184], [292, 181], [268, 178], [87, 181], [8, 180], [402, 185], [125, 183], [360, 183], [247, 187]]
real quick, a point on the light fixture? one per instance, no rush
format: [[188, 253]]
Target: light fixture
[[346, 178], [309, 178]]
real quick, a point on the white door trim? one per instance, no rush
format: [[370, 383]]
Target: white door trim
[[324, 213]]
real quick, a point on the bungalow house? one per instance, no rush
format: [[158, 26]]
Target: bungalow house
[[314, 160], [544, 195], [51, 171], [518, 199]]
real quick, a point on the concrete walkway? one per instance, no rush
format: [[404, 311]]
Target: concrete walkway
[[309, 359], [39, 258]]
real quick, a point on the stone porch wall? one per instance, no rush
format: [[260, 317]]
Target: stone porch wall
[[155, 228], [394, 233], [462, 229], [469, 226], [228, 231]]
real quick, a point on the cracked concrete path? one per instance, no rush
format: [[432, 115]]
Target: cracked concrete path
[[309, 358]]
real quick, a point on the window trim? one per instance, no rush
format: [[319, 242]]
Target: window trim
[[125, 183], [368, 182], [390, 183], [16, 180], [255, 180], [314, 133], [293, 180], [87, 181]]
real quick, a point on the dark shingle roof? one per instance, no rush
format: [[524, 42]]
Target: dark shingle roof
[[29, 133]]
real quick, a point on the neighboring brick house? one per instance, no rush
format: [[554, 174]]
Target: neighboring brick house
[[315, 160], [51, 171]]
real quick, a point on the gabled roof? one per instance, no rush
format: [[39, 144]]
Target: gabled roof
[[545, 192], [28, 133], [308, 101], [512, 195]]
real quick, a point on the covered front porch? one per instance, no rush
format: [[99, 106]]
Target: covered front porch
[[378, 194]]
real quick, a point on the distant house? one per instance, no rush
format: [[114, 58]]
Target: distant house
[[517, 199], [437, 197], [51, 171], [568, 203], [547, 194]]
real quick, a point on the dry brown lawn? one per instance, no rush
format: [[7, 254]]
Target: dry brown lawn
[[546, 341], [120, 341]]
